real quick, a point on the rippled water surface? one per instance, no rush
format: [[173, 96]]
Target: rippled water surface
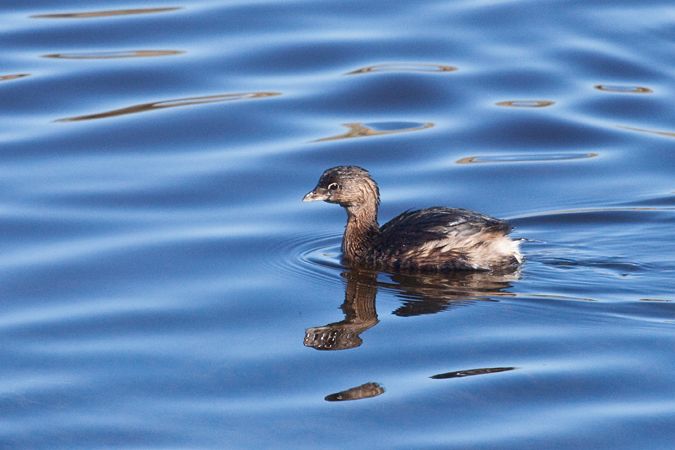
[[163, 286]]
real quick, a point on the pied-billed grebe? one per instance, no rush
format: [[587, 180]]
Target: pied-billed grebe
[[432, 239]]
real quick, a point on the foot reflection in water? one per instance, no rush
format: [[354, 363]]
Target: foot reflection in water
[[421, 294]]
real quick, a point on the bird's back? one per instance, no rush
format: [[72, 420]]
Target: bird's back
[[441, 238]]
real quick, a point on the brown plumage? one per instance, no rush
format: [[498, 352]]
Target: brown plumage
[[432, 239]]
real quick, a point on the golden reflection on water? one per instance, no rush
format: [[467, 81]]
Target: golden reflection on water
[[13, 77], [362, 130], [172, 103], [118, 12], [110, 55], [526, 103], [404, 68], [623, 89], [525, 158], [642, 130]]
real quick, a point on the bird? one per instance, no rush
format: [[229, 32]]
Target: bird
[[435, 239]]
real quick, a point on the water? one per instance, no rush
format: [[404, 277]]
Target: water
[[163, 286]]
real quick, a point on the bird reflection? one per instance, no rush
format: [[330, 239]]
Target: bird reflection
[[366, 390], [421, 294], [433, 293], [360, 314]]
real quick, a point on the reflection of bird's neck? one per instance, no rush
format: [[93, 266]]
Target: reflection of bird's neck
[[359, 305]]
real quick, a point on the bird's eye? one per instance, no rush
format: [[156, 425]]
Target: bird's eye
[[332, 186]]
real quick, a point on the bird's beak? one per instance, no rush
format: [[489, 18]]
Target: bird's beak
[[316, 194]]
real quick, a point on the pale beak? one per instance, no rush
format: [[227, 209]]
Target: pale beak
[[316, 194]]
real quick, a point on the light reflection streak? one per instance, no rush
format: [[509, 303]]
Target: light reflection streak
[[118, 12], [623, 89], [526, 103], [404, 68], [362, 130], [110, 55], [525, 158], [172, 103], [643, 130], [13, 77]]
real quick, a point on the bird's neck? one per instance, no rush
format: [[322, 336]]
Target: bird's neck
[[362, 232]]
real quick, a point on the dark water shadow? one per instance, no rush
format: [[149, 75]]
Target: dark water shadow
[[471, 372]]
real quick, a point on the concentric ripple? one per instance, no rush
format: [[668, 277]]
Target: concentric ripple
[[314, 257]]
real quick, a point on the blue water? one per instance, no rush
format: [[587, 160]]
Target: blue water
[[163, 286]]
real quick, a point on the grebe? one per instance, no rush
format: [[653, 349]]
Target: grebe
[[431, 239]]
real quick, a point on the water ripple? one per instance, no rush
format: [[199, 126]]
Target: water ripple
[[92, 247], [404, 68], [159, 273], [642, 130], [376, 129], [311, 257], [526, 103], [623, 89], [536, 157], [118, 12], [172, 103], [114, 54]]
